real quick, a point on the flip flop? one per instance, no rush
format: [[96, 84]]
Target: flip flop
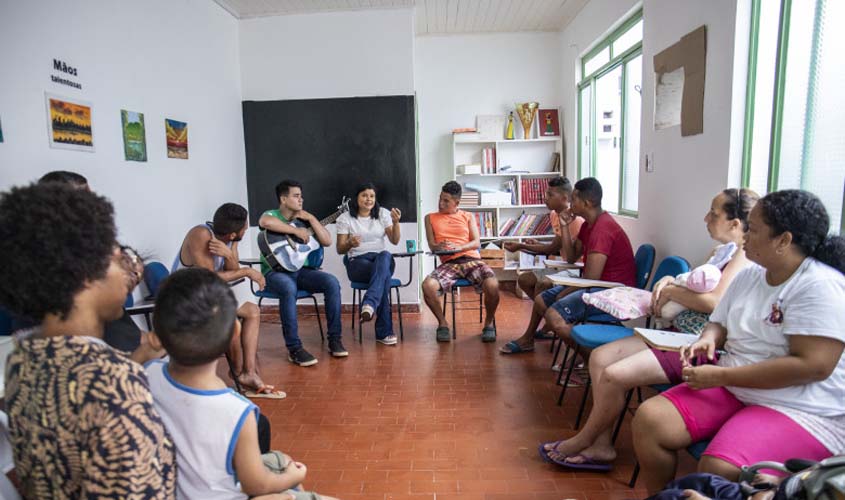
[[587, 464], [541, 335], [513, 347], [265, 392]]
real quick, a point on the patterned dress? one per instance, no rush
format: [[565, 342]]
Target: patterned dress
[[82, 422]]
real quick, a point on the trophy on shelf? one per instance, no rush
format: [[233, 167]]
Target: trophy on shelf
[[527, 111]]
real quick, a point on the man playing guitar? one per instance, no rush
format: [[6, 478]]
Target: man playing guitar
[[308, 278]]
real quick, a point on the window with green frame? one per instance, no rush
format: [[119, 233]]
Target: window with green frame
[[793, 137], [609, 110]]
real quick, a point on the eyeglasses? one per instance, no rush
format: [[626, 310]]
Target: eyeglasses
[[132, 262]]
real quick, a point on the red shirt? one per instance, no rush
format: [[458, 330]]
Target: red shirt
[[606, 236]]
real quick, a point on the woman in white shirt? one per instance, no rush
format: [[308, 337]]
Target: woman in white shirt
[[779, 391], [360, 236]]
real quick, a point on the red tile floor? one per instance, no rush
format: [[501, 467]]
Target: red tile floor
[[430, 421]]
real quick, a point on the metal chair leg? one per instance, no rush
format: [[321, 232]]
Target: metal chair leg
[[319, 321], [562, 362], [557, 352], [568, 374], [583, 404], [354, 296], [454, 323], [618, 425], [480, 306], [399, 311], [633, 481]]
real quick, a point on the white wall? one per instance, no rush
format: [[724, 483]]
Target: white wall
[[689, 171], [164, 58], [460, 76], [341, 54]]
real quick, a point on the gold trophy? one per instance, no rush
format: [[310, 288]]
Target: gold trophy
[[527, 111]]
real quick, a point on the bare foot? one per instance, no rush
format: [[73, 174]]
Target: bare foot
[[595, 453], [251, 381]]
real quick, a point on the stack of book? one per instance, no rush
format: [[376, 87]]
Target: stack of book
[[527, 225], [485, 223], [470, 198], [534, 190]]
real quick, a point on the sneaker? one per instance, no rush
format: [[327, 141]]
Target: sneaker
[[367, 313], [337, 349], [302, 357], [389, 340]]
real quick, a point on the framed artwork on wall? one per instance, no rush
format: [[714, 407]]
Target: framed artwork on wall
[[549, 122], [134, 135], [69, 123], [177, 139]]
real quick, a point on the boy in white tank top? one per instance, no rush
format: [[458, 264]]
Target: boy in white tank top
[[213, 427]]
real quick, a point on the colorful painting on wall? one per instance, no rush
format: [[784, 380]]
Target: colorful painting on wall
[[134, 135], [69, 124], [177, 139], [549, 123]]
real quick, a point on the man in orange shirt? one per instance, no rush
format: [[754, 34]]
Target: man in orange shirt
[[453, 234]]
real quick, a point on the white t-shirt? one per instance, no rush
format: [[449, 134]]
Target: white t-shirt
[[370, 230], [760, 318]]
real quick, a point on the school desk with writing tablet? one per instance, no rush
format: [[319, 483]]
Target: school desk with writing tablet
[[559, 264], [564, 279], [665, 340]]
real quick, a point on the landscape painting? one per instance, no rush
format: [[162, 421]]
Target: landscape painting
[[134, 135], [69, 124], [177, 139]]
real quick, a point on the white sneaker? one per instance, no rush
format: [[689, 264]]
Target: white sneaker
[[389, 340], [367, 313]]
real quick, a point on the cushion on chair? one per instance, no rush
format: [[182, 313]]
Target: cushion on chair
[[462, 282], [592, 336], [358, 285], [621, 302]]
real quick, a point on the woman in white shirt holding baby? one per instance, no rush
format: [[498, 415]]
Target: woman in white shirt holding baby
[[360, 236]]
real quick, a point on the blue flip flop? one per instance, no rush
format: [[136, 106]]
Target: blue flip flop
[[587, 464], [545, 454], [514, 348]]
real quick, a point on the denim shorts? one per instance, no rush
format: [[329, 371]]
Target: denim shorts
[[571, 308]]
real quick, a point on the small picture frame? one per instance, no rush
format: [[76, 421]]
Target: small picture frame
[[69, 123], [549, 122]]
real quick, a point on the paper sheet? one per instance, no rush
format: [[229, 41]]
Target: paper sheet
[[668, 93]]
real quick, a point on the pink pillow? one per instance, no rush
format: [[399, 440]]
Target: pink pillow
[[621, 302]]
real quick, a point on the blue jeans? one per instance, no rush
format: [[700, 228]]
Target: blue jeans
[[376, 269], [285, 285]]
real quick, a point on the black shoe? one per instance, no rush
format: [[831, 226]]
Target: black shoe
[[302, 357], [336, 348]]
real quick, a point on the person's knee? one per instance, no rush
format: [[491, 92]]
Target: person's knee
[[539, 303], [249, 311], [430, 287], [527, 281], [649, 418], [490, 286], [614, 375]]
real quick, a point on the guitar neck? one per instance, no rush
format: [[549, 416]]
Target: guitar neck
[[328, 220]]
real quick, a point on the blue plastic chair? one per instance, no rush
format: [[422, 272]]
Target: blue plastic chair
[[154, 274], [300, 294], [359, 288], [592, 336], [462, 283]]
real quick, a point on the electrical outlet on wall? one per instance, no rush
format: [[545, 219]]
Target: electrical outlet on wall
[[649, 162]]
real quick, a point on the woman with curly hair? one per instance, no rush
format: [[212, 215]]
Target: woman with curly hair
[[777, 392], [81, 418]]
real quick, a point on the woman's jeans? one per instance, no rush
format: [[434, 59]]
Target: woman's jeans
[[375, 269]]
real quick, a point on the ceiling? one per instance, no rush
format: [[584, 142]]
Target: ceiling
[[432, 16]]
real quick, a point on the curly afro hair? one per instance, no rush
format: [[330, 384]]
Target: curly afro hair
[[54, 239], [803, 214]]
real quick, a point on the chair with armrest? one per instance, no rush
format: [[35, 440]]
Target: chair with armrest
[[359, 287], [461, 283], [644, 261], [592, 336], [300, 294]]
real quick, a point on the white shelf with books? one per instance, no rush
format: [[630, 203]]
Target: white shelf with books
[[504, 184]]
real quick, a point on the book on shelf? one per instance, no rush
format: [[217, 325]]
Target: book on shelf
[[534, 190], [555, 162], [468, 169], [488, 161], [470, 198], [464, 130], [484, 221]]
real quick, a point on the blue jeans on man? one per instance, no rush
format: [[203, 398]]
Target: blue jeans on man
[[286, 284], [375, 269]]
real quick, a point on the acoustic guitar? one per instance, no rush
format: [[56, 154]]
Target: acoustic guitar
[[286, 252]]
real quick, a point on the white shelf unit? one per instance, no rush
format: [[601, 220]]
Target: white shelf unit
[[527, 159]]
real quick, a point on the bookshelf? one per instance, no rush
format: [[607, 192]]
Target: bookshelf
[[516, 172]]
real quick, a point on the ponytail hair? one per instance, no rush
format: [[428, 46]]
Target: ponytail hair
[[738, 204], [803, 214]]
